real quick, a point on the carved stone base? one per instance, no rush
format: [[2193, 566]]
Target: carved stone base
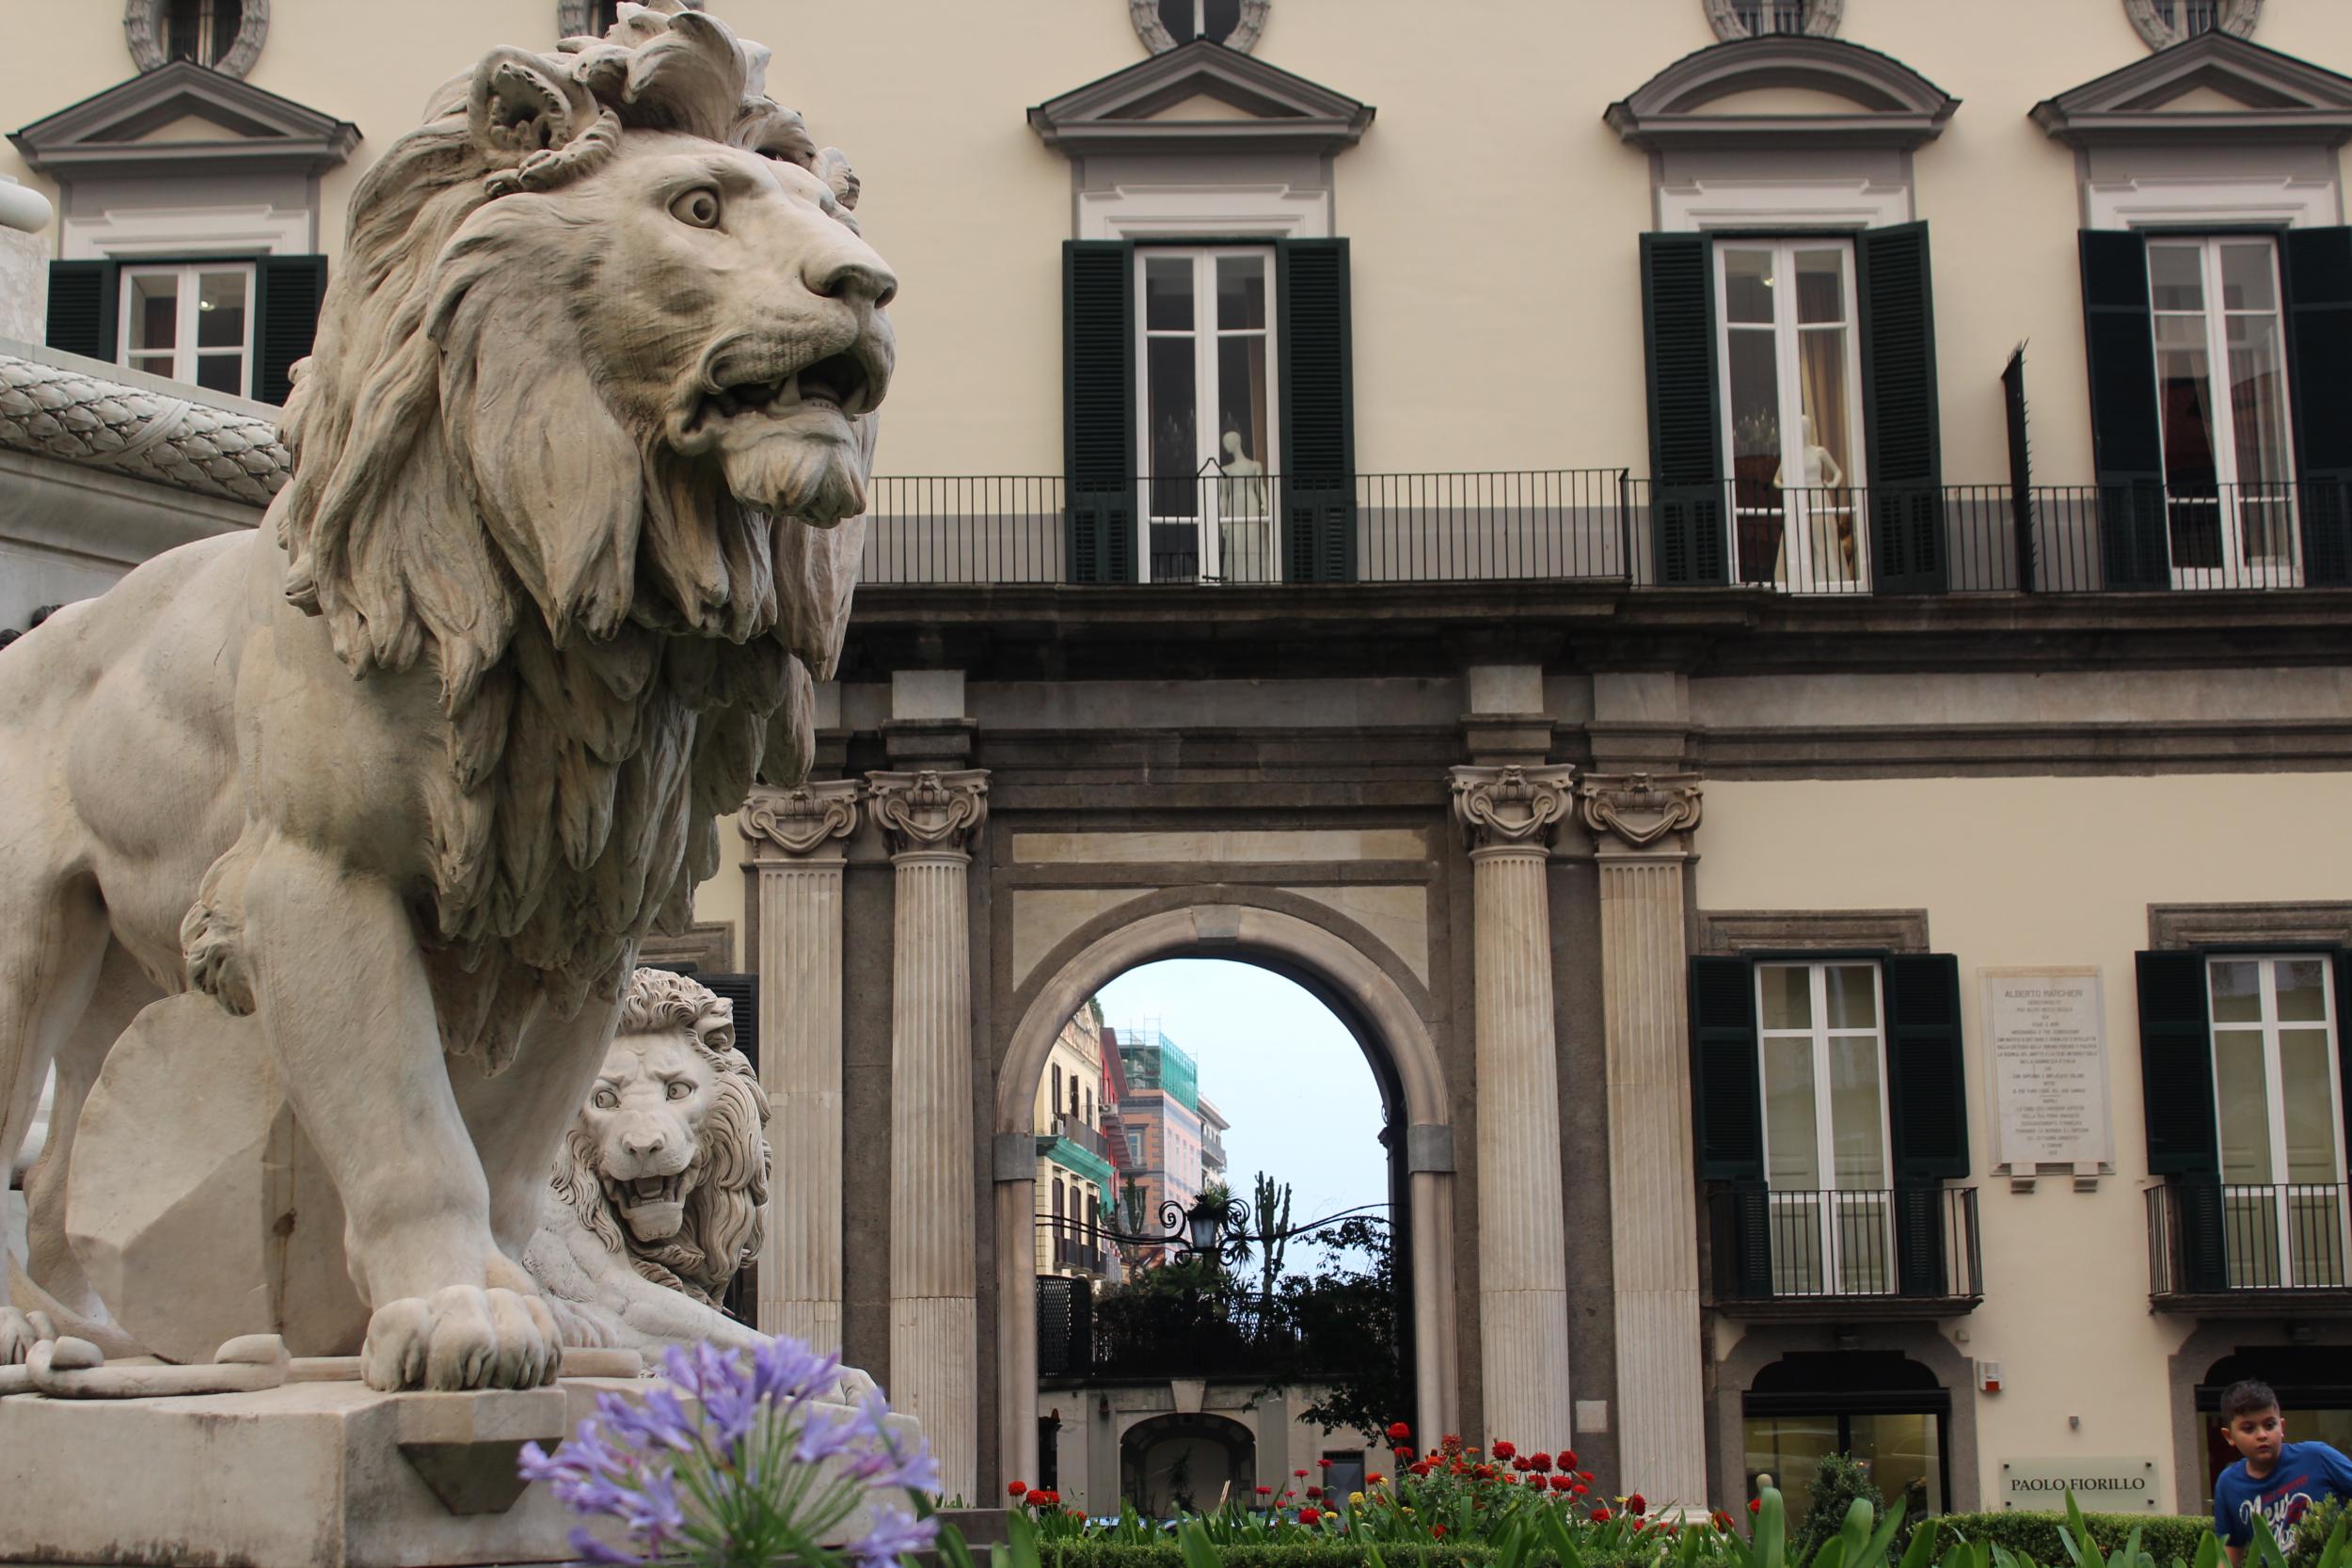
[[310, 1475]]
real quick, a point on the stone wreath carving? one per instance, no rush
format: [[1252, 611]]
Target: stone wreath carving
[[1512, 805], [801, 821], [580, 456], [2163, 23], [1157, 39], [1640, 808], [100, 423], [929, 809], [1821, 18], [143, 25], [578, 18]]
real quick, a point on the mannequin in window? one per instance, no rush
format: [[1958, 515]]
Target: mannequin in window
[[1243, 503], [1821, 470]]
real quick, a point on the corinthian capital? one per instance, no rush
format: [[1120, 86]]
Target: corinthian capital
[[794, 824], [1640, 809], [1500, 807], [931, 810]]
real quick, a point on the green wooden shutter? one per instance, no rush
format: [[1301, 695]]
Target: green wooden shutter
[[1099, 408], [83, 306], [1927, 1093], [1726, 1071], [1318, 455], [1690, 526], [1899, 410], [2127, 445], [2177, 1102], [2318, 271], [287, 290]]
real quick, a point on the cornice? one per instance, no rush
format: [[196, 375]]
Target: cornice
[[1893, 106], [1121, 112]]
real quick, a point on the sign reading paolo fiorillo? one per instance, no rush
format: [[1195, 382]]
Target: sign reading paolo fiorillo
[[2100, 1485]]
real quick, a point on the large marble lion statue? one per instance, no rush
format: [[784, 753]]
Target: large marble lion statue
[[660, 1187], [401, 779]]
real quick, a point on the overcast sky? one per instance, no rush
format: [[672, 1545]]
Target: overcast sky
[[1288, 1076]]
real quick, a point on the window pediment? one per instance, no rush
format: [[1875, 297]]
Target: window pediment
[[1780, 91], [2217, 84], [165, 115], [1202, 97]]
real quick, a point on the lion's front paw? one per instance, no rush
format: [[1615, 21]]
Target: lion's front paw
[[852, 1386], [461, 1337], [20, 1332]]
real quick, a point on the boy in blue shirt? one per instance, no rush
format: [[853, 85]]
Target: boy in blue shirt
[[2274, 1477]]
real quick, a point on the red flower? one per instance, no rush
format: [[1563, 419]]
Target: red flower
[[1374, 1480], [1436, 1532], [1315, 1493], [1405, 1456], [1721, 1520], [1324, 1462], [1300, 1474], [1600, 1516], [1561, 1483], [1265, 1490], [1310, 1517], [1502, 1447], [1754, 1503], [1540, 1463], [1419, 1467], [1051, 1498], [1581, 1475], [1037, 1499], [1398, 1431], [1636, 1505], [1579, 1489], [1451, 1442], [1485, 1472], [1521, 1464], [1567, 1459], [1016, 1489]]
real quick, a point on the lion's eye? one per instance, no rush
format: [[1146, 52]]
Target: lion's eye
[[679, 1091], [698, 207], [607, 1100]]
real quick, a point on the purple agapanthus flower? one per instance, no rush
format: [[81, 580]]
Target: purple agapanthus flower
[[739, 1451]]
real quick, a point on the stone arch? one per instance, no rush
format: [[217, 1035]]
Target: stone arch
[[1236, 1442], [1367, 987]]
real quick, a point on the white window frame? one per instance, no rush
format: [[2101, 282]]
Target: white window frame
[[184, 352], [2237, 569], [1211, 497], [1797, 570], [1831, 1218], [2242, 1201]]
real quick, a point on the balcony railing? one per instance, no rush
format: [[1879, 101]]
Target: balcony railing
[[1080, 1133], [2216, 1246], [1070, 1252], [1596, 525], [1908, 1251]]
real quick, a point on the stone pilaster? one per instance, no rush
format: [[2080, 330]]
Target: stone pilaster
[[795, 839], [930, 819], [1510, 815], [1641, 825]]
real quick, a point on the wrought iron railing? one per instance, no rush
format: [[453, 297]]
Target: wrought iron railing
[[1782, 1244], [1600, 525], [2210, 1237]]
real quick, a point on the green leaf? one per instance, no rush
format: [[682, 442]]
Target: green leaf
[[1195, 1542], [1854, 1532], [2075, 1534], [1771, 1529], [1832, 1553], [2332, 1554], [1513, 1547], [1882, 1543], [1020, 1534], [2265, 1551], [1559, 1538], [1921, 1552], [954, 1552], [2209, 1553]]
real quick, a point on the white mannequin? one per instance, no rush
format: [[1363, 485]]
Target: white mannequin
[[1242, 500], [1821, 470]]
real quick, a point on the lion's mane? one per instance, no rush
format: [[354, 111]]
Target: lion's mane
[[621, 646], [725, 1208]]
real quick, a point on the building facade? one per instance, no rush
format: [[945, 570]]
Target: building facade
[[1077, 1184], [1531, 518]]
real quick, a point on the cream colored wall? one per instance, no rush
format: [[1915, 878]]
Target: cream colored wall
[[2023, 872], [1493, 216]]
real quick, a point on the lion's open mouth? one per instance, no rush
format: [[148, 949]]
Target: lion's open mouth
[[653, 1207], [837, 382]]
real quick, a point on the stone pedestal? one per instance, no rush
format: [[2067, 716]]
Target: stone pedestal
[[1641, 823], [310, 1475], [1510, 815], [24, 263], [795, 838], [930, 820]]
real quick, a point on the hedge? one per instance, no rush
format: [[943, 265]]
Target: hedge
[[1318, 1554], [2163, 1536]]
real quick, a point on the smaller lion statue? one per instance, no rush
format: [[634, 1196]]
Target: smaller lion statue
[[660, 1187]]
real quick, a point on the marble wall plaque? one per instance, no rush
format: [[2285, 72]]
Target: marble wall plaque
[[2100, 1485], [2047, 1033]]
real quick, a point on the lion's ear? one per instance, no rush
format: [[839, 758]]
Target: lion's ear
[[518, 107]]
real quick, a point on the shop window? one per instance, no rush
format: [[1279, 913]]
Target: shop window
[[1879, 1406], [2315, 1388]]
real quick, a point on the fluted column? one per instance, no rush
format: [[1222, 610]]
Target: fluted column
[[1641, 824], [795, 837], [930, 819], [1510, 815]]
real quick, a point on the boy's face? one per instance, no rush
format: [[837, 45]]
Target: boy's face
[[2258, 1436]]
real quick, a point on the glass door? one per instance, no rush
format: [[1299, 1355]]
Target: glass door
[[2275, 1089], [191, 324], [1792, 368], [1209, 417], [1825, 1139], [2221, 376]]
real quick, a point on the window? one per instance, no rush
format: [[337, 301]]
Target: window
[[1134, 1145], [191, 324], [1054, 1102], [1825, 1128], [2166, 23], [1791, 370], [200, 30], [1165, 25], [2221, 377], [1207, 399], [1880, 1406], [1343, 1472], [1752, 19], [2279, 1102]]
